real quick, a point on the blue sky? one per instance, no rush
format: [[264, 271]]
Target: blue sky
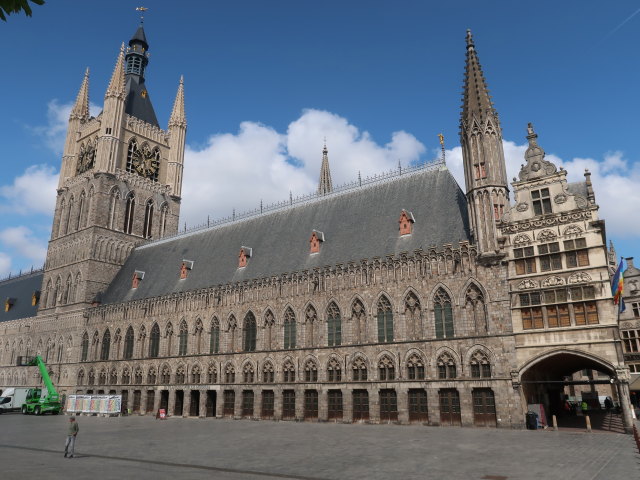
[[266, 81]]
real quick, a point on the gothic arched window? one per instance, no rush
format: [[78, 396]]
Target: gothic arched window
[[113, 208], [358, 317], [113, 376], [198, 335], [84, 346], [128, 343], [102, 377], [249, 333], [386, 369], [148, 219], [443, 314], [195, 374], [181, 373], [132, 153], [248, 372], [289, 329], [385, 320], [288, 372], [164, 213], [474, 301], [334, 371], [480, 366], [80, 211], [214, 341], [413, 315], [212, 373], [230, 374], [129, 213], [169, 336], [359, 368], [106, 345], [81, 377], [446, 367], [310, 320], [269, 322], [268, 375], [165, 375], [137, 376], [415, 368], [231, 332], [154, 341], [310, 371], [183, 336], [151, 375], [334, 325], [69, 219]]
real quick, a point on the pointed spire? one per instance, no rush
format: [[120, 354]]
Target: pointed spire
[[178, 117], [325, 185], [476, 99], [80, 109], [116, 84]]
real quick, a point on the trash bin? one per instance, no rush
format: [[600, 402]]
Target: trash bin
[[532, 421]]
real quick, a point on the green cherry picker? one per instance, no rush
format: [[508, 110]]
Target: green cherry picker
[[37, 402]]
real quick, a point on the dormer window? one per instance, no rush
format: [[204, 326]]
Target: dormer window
[[406, 222], [35, 298], [314, 243], [186, 266], [8, 303], [243, 256], [137, 277], [541, 201]]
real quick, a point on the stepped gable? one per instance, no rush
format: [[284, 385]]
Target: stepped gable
[[20, 290], [358, 224]]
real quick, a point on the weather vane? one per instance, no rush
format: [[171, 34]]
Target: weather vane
[[441, 138], [142, 10]]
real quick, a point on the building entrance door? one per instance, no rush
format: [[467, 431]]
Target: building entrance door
[[211, 403], [194, 407], [484, 407], [450, 407]]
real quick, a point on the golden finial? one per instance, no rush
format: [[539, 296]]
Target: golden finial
[[141, 9], [441, 138]]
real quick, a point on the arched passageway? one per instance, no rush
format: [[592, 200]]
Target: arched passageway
[[557, 382]]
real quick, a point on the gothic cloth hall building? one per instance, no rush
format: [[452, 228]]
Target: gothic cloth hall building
[[401, 299]]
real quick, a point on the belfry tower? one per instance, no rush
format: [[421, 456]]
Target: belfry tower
[[120, 183], [484, 166]]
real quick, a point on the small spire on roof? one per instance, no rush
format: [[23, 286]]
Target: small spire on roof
[[325, 185], [469, 38], [178, 117]]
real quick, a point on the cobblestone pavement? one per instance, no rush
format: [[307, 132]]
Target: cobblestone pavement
[[145, 448]]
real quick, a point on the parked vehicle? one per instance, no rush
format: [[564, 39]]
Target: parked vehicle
[[40, 401], [12, 399]]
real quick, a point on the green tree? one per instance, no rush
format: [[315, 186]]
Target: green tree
[[16, 6]]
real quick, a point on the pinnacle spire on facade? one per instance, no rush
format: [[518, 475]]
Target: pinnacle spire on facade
[[178, 117], [325, 185], [80, 109], [476, 99], [116, 86]]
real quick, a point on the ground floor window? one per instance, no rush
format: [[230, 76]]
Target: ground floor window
[[228, 407], [151, 396], [335, 404], [288, 404], [268, 399], [310, 404], [247, 403], [418, 405], [484, 407], [449, 406], [388, 405], [360, 405]]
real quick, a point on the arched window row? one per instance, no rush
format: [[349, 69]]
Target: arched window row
[[62, 292], [73, 212]]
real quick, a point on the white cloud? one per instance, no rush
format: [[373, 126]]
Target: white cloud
[[615, 182], [5, 265], [53, 134], [258, 163], [32, 192], [21, 240]]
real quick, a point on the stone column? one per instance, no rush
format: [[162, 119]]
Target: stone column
[[323, 404], [403, 404], [466, 404], [347, 405], [299, 403], [277, 403], [203, 403], [237, 407], [433, 403], [156, 400], [625, 401], [220, 403], [172, 402], [374, 404]]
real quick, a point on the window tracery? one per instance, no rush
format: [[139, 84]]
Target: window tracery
[[446, 367], [443, 313], [386, 369]]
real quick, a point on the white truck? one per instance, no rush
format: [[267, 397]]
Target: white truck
[[12, 399]]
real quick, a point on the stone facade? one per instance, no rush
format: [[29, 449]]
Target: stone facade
[[448, 335]]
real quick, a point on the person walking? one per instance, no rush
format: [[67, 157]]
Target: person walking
[[70, 444]]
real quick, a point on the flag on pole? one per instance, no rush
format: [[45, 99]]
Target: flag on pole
[[617, 288]]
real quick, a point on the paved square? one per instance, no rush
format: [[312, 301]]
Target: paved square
[[145, 448]]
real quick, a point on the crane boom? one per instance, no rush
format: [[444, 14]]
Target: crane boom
[[37, 361]]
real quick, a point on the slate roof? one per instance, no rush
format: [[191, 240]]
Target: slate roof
[[578, 188], [20, 289], [138, 104], [357, 224]]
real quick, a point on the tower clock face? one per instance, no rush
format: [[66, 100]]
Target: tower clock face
[[145, 162], [86, 158]]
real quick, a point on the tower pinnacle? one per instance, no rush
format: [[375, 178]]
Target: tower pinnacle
[[476, 99], [325, 185], [178, 117], [81, 107], [116, 86]]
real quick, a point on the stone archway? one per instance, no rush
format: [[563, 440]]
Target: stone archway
[[551, 377]]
